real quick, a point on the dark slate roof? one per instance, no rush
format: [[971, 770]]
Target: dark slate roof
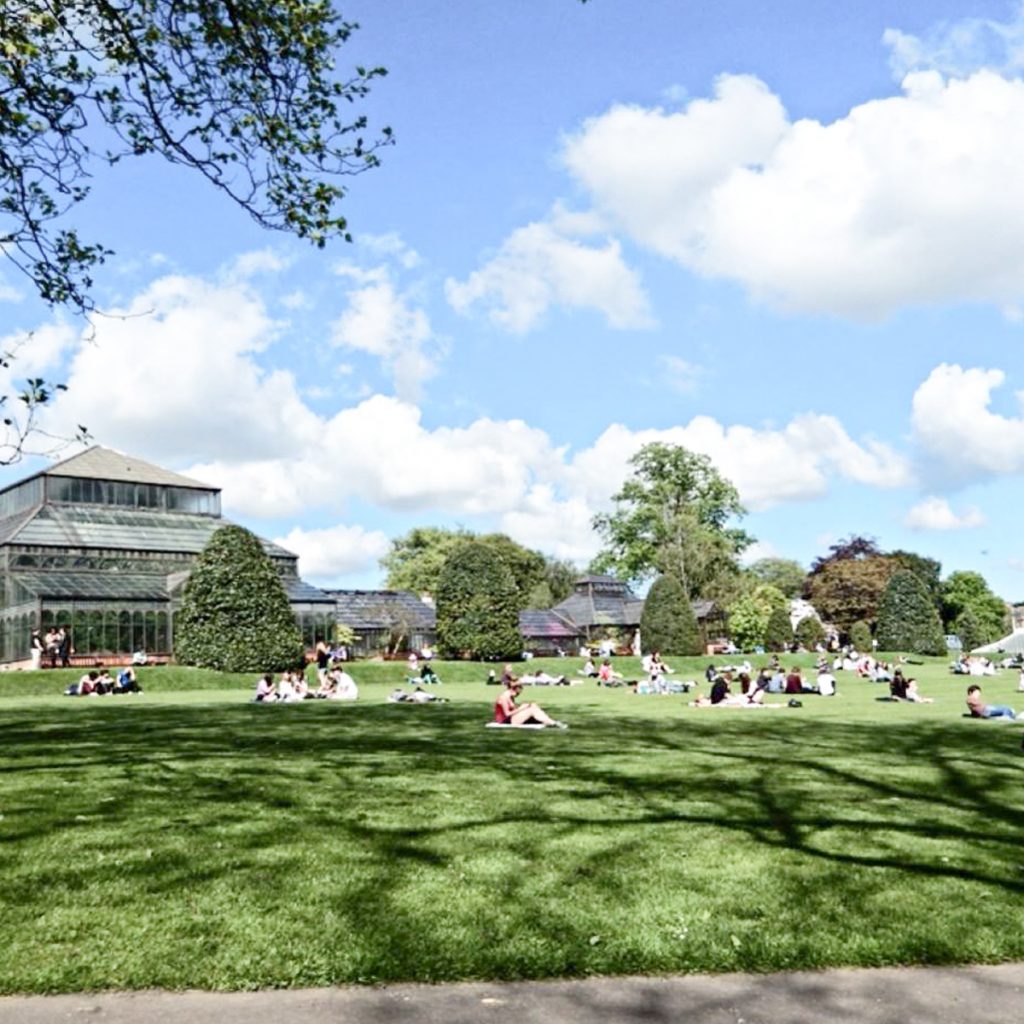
[[90, 526], [704, 609], [99, 463], [546, 623], [299, 591], [601, 609], [382, 609]]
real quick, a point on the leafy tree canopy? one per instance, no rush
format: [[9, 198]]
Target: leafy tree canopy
[[779, 632], [969, 591], [783, 573], [853, 548], [846, 590], [477, 605], [672, 517], [749, 614]]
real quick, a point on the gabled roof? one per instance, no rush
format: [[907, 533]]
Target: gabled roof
[[382, 609], [101, 463]]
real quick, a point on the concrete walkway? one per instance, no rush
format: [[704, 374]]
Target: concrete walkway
[[968, 995]]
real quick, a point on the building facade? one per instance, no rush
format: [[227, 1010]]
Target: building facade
[[103, 543]]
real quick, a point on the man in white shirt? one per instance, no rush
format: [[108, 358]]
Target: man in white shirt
[[826, 683]]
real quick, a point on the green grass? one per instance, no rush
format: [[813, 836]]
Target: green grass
[[188, 838]]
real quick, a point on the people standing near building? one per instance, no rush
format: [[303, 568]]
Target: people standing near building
[[36, 649]]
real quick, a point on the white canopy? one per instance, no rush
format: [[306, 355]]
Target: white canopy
[[1012, 644]]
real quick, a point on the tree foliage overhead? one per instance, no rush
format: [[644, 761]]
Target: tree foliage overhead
[[477, 606], [847, 590], [243, 92], [672, 517], [907, 619], [853, 548], [667, 623], [234, 613]]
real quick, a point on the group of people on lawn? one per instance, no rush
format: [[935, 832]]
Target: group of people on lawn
[[99, 682], [334, 684]]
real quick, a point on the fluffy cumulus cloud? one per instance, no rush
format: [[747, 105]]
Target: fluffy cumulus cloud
[[960, 47], [959, 434], [382, 322], [910, 199], [935, 514], [334, 551], [538, 267]]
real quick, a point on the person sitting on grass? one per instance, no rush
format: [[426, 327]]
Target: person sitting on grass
[[795, 681], [508, 712], [429, 676], [344, 686], [914, 696], [326, 688], [589, 670], [127, 681], [979, 709], [898, 686], [104, 682], [826, 682], [85, 687], [606, 675], [300, 686], [265, 689]]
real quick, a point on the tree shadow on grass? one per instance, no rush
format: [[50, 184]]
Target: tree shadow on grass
[[533, 836]]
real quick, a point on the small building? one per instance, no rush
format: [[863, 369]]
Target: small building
[[103, 543], [599, 604], [385, 621]]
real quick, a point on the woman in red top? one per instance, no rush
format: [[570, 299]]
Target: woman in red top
[[508, 712]]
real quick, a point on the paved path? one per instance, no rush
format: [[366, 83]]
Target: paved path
[[969, 995]]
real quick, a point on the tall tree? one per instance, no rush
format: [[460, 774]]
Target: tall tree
[[969, 591], [477, 608], [750, 614], [783, 573], [667, 623], [234, 613], [847, 584], [928, 571], [907, 619], [672, 517]]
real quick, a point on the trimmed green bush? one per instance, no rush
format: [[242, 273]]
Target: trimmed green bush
[[779, 634], [907, 619], [860, 636], [668, 624], [810, 632], [234, 613], [477, 605], [969, 630]]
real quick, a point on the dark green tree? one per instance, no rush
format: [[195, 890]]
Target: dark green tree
[[860, 636], [928, 569], [969, 590], [778, 635], [477, 605], [969, 630], [667, 623], [672, 517], [234, 613], [907, 619], [809, 631]]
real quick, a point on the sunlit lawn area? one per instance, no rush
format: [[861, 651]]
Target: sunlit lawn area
[[188, 838]]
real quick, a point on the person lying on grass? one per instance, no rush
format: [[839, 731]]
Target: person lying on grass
[[979, 709], [508, 712]]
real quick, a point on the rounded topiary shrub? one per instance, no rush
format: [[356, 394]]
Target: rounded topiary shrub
[[779, 634], [810, 632], [667, 623], [477, 605], [907, 618], [860, 636], [234, 613]]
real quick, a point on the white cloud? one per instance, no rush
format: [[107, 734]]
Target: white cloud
[[392, 246], [261, 261], [335, 551], [959, 435], [758, 550], [679, 375], [537, 268], [174, 373], [383, 323], [960, 47], [935, 514], [909, 199]]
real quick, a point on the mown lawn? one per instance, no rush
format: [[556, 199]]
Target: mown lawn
[[188, 838]]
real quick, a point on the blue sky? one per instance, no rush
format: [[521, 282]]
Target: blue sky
[[789, 235]]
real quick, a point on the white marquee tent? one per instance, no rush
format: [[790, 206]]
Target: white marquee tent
[[1012, 644]]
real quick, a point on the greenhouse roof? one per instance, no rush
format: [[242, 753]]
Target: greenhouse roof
[[86, 586], [81, 526]]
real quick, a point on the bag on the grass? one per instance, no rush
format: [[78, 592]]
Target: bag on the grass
[[794, 703]]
